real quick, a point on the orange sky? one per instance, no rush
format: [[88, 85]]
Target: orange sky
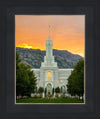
[[66, 31]]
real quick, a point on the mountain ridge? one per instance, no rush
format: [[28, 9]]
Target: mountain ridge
[[34, 57]]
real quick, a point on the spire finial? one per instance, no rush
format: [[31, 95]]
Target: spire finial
[[49, 30], [49, 24]]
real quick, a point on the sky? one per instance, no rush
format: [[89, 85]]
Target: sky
[[66, 31]]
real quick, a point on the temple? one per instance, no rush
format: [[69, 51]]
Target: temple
[[49, 75]]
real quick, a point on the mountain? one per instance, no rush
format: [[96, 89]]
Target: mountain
[[34, 57]]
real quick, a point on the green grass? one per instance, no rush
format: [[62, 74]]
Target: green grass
[[52, 100]]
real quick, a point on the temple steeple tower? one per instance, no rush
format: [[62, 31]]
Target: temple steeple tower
[[49, 58], [49, 48], [49, 32]]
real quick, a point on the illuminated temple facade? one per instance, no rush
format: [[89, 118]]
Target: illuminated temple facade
[[49, 75]]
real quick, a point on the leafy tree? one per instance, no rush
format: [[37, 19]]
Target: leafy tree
[[35, 90], [40, 90], [57, 90], [18, 60], [25, 78], [22, 80], [75, 84]]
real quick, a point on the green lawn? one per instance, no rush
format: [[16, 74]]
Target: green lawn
[[52, 100]]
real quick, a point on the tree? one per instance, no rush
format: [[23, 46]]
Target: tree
[[57, 90], [32, 81], [25, 78], [18, 60], [75, 84], [40, 90]]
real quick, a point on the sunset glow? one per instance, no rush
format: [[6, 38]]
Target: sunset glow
[[66, 31], [28, 47]]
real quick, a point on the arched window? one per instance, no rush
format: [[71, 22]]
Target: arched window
[[49, 76]]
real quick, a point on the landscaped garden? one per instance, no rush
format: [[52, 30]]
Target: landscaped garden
[[49, 100], [28, 92]]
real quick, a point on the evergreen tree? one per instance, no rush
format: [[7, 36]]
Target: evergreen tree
[[25, 78], [57, 90], [40, 90], [75, 84]]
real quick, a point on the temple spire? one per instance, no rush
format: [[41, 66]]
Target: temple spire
[[49, 31]]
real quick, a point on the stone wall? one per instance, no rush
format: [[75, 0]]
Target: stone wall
[[59, 77]]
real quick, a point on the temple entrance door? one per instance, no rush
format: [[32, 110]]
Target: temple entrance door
[[48, 92], [49, 89]]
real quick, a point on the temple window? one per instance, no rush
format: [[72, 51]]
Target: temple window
[[49, 76]]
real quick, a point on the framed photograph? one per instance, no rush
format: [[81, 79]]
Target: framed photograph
[[50, 71], [49, 59]]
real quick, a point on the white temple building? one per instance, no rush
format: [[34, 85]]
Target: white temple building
[[49, 75]]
